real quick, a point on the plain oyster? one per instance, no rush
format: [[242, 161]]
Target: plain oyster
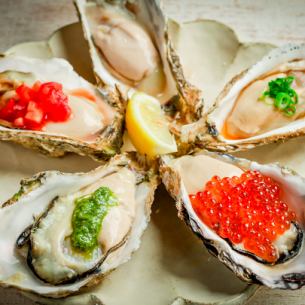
[[40, 238], [130, 48], [287, 272], [96, 124]]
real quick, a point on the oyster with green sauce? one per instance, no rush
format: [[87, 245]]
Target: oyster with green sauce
[[66, 231], [46, 106]]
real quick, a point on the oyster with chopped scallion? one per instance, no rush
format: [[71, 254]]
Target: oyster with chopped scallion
[[72, 229], [261, 105]]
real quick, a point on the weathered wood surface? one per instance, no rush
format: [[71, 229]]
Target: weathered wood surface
[[274, 21]]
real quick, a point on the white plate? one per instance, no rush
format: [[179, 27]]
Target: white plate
[[171, 265]]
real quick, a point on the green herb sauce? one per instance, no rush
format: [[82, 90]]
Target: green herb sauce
[[285, 97], [88, 216]]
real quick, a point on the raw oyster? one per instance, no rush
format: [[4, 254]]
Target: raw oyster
[[130, 48], [38, 254], [254, 107], [189, 174], [94, 128]]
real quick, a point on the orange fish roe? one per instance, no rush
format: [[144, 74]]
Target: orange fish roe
[[246, 209]]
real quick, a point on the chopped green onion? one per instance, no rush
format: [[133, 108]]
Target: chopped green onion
[[267, 101], [284, 97], [282, 100]]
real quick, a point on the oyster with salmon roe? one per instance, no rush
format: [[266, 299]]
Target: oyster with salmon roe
[[71, 229], [261, 105], [47, 106], [249, 215]]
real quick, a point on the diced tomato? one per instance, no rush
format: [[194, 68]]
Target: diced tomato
[[7, 112], [36, 86], [59, 113], [36, 106], [19, 122], [24, 92], [34, 113]]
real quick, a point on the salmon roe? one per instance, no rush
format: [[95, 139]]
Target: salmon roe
[[247, 210], [34, 107]]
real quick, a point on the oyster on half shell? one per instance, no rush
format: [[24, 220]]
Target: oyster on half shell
[[95, 126], [244, 116], [130, 48], [38, 253], [189, 174]]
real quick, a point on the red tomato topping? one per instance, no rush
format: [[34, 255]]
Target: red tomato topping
[[34, 107], [246, 210]]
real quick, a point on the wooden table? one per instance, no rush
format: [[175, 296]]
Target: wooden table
[[273, 21]]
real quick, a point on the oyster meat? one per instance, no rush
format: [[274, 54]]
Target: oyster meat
[[95, 124], [130, 47], [123, 45], [282, 266], [263, 104], [66, 231]]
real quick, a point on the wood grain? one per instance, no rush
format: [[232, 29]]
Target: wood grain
[[274, 21], [31, 20]]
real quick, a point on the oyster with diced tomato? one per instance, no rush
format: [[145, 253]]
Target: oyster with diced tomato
[[45, 105], [250, 216], [69, 230], [263, 104]]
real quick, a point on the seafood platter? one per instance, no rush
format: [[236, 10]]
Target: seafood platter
[[127, 136]]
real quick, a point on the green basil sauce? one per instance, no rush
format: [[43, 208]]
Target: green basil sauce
[[88, 216]]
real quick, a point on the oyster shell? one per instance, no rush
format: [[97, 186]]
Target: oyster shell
[[95, 129], [187, 175], [41, 213], [242, 118], [210, 65], [113, 26]]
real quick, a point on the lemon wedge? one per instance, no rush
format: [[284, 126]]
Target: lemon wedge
[[147, 126]]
